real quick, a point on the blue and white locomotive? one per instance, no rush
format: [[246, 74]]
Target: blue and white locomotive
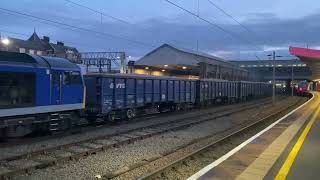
[[38, 93]]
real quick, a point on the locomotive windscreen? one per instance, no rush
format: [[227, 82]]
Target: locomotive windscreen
[[17, 90]]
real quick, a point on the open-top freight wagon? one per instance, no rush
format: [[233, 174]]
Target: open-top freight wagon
[[119, 96], [122, 96]]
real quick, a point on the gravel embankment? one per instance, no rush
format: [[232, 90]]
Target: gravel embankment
[[123, 157]]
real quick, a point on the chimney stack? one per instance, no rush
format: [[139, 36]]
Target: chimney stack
[[60, 43], [46, 39]]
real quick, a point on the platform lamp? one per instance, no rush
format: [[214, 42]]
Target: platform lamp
[[273, 55]]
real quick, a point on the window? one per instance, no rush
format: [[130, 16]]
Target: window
[[17, 89], [22, 50], [72, 78], [56, 78], [31, 51], [39, 53]]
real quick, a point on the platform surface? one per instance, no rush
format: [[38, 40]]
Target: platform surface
[[275, 151], [304, 165]]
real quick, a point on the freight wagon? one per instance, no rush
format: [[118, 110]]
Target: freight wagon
[[114, 96], [210, 91]]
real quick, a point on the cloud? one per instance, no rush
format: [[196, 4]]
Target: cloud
[[270, 33]]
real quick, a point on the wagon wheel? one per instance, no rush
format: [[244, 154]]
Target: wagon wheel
[[111, 117], [130, 113]]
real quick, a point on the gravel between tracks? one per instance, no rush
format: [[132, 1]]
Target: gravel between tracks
[[123, 157]]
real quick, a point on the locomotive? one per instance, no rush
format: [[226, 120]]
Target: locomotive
[[39, 93]]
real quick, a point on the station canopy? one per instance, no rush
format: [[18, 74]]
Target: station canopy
[[311, 58]]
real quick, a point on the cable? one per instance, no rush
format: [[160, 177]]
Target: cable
[[115, 18], [230, 16], [28, 35], [75, 27], [209, 22], [99, 12]]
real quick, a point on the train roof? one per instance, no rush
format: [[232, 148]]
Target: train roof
[[22, 59], [60, 63], [118, 75]]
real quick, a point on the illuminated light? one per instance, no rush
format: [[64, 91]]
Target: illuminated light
[[163, 70], [146, 68], [140, 71], [5, 41], [98, 176], [166, 65], [184, 67], [156, 73]]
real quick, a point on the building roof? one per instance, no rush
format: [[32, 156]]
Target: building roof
[[169, 54], [35, 43], [311, 57], [34, 37], [62, 49]]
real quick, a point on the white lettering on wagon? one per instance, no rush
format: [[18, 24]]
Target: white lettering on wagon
[[118, 86]]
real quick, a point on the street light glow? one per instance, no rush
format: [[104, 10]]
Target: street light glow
[[184, 67], [5, 41], [166, 65]]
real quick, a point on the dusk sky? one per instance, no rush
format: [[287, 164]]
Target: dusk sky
[[275, 25]]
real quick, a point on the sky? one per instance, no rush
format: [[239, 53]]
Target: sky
[[139, 26]]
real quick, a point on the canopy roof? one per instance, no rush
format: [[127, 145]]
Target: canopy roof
[[311, 57]]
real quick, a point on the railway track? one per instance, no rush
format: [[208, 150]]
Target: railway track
[[80, 129], [208, 153], [25, 163]]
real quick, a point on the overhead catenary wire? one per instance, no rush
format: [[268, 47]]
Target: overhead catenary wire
[[235, 20], [28, 35], [75, 27], [101, 13], [231, 34]]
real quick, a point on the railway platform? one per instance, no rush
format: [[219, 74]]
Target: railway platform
[[287, 149]]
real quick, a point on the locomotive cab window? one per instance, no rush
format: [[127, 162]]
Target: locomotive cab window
[[72, 78], [17, 89]]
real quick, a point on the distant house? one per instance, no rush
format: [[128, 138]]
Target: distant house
[[36, 46]]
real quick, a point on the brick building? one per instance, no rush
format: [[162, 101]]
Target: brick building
[[35, 45]]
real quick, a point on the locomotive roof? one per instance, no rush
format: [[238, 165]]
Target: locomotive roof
[[61, 63], [13, 58]]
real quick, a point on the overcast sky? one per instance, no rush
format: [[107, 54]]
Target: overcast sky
[[274, 25]]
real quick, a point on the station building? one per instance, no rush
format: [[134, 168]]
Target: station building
[[169, 60]]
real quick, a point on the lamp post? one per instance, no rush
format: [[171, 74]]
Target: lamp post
[[292, 80], [273, 76]]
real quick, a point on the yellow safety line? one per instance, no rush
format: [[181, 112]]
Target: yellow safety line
[[283, 172]]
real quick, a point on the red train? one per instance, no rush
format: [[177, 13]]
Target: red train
[[303, 88]]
